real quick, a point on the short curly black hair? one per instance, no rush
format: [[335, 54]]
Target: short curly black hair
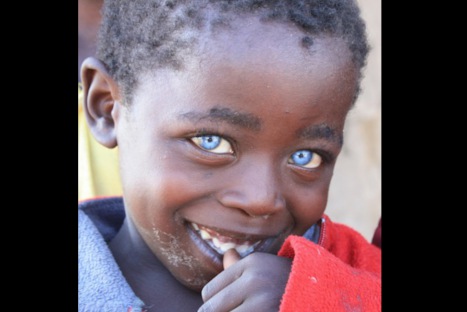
[[139, 34]]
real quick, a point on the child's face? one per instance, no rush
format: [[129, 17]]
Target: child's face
[[236, 150]]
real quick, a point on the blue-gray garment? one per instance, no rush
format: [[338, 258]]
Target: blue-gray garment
[[101, 285]]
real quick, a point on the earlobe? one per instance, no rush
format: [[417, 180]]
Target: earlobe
[[101, 97]]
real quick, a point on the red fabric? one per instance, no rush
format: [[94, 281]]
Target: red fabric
[[342, 273]]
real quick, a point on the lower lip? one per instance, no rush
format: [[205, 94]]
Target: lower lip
[[205, 249]]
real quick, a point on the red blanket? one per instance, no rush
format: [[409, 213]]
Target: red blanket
[[341, 273]]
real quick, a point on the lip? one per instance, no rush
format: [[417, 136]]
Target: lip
[[258, 243], [205, 249]]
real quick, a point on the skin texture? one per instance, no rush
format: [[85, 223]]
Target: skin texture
[[259, 89]]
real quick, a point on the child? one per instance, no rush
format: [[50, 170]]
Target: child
[[229, 117]]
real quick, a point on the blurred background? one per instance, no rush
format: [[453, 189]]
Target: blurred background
[[355, 194]]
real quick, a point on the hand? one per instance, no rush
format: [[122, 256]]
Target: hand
[[254, 283]]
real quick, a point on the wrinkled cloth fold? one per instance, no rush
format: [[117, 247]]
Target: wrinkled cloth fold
[[342, 273], [101, 285]]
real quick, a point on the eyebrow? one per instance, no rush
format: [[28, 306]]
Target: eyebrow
[[321, 131], [244, 120]]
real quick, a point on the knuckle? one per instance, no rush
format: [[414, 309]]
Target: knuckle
[[206, 307], [206, 291]]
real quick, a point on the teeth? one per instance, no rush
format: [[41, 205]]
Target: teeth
[[226, 246], [242, 249], [216, 242], [220, 247], [204, 234], [223, 247]]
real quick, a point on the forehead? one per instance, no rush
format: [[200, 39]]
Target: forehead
[[269, 47], [247, 39], [267, 61]]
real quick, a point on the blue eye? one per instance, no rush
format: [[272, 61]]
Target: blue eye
[[306, 159], [213, 143]]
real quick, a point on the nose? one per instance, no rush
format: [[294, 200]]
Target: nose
[[254, 189]]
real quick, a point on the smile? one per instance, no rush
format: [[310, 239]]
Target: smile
[[221, 243]]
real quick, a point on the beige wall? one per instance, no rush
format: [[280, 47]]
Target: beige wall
[[355, 195]]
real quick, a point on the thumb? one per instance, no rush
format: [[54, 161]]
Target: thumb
[[231, 257]]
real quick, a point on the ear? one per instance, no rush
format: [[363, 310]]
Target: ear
[[101, 97]]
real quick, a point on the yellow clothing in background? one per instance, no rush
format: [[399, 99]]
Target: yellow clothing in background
[[97, 165]]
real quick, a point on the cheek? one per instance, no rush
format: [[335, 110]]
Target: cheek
[[155, 206], [152, 172], [308, 205], [157, 194], [160, 187]]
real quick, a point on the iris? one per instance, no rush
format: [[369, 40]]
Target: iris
[[213, 143], [305, 158]]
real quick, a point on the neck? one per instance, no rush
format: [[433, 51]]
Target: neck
[[147, 276]]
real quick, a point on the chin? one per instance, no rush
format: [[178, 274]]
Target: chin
[[196, 283]]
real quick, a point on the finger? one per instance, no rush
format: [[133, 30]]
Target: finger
[[226, 277], [256, 283], [226, 299], [231, 257]]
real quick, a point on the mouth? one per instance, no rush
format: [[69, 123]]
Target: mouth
[[220, 243]]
